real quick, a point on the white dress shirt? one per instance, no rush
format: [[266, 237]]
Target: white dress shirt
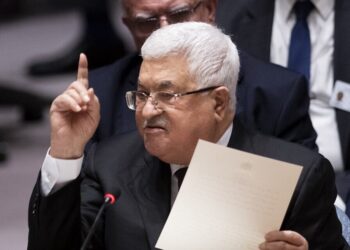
[[55, 173], [321, 26]]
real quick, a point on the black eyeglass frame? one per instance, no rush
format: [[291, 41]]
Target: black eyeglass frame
[[171, 18], [131, 101]]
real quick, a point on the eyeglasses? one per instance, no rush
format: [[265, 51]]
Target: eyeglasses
[[136, 100], [146, 26]]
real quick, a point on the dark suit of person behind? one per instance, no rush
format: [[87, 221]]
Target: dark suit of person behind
[[137, 218], [251, 22], [270, 99]]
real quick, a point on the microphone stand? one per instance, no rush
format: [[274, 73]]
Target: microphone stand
[[109, 199]]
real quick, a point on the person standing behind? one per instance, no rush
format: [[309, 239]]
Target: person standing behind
[[277, 31]]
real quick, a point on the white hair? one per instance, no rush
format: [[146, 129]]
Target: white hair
[[211, 55]]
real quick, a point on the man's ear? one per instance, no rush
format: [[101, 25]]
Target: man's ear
[[222, 99], [210, 7]]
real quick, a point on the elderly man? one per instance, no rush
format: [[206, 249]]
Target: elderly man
[[269, 98], [186, 91]]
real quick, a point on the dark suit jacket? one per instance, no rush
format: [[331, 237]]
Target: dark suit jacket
[[270, 99], [136, 220], [251, 23]]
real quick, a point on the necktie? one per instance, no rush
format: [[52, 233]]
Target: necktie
[[299, 58], [180, 174]]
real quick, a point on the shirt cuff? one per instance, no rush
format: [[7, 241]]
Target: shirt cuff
[[340, 203], [56, 173]]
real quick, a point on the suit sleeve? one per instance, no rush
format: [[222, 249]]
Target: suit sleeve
[[54, 221], [62, 219], [312, 212]]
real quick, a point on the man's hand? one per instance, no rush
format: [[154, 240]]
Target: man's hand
[[288, 240], [74, 116]]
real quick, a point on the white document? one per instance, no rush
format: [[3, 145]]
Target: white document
[[229, 199]]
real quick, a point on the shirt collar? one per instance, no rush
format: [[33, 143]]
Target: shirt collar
[[324, 7], [285, 8], [224, 140]]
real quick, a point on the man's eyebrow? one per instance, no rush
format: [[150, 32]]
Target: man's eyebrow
[[139, 85], [163, 85]]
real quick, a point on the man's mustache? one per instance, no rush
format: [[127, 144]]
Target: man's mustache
[[159, 121]]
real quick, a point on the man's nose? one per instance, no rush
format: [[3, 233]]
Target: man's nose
[[150, 109], [163, 21]]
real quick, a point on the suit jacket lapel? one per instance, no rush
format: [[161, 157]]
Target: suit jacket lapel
[[341, 70], [151, 188], [110, 84], [124, 119], [253, 31]]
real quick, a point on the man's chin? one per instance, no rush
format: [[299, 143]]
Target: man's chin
[[155, 145]]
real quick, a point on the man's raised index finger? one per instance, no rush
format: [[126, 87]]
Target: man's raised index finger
[[83, 70]]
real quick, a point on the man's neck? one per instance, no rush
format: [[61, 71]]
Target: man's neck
[[223, 127]]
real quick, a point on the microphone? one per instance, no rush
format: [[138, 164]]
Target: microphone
[[109, 199]]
